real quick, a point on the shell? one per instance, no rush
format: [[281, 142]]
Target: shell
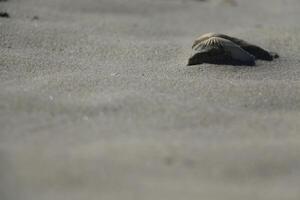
[[258, 52], [217, 50]]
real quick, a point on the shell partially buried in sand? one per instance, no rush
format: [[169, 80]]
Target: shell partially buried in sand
[[217, 48]]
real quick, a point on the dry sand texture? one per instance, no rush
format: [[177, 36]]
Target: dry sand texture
[[96, 102]]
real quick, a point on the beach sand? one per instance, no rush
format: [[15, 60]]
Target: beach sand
[[97, 103]]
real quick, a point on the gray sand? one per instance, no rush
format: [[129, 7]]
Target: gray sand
[[96, 102]]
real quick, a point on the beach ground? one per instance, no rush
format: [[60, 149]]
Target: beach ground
[[97, 103]]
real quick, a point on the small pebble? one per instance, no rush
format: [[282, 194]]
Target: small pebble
[[35, 18], [4, 15]]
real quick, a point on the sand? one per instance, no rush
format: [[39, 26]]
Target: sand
[[97, 103]]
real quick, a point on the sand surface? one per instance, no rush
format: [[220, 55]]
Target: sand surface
[[96, 102]]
